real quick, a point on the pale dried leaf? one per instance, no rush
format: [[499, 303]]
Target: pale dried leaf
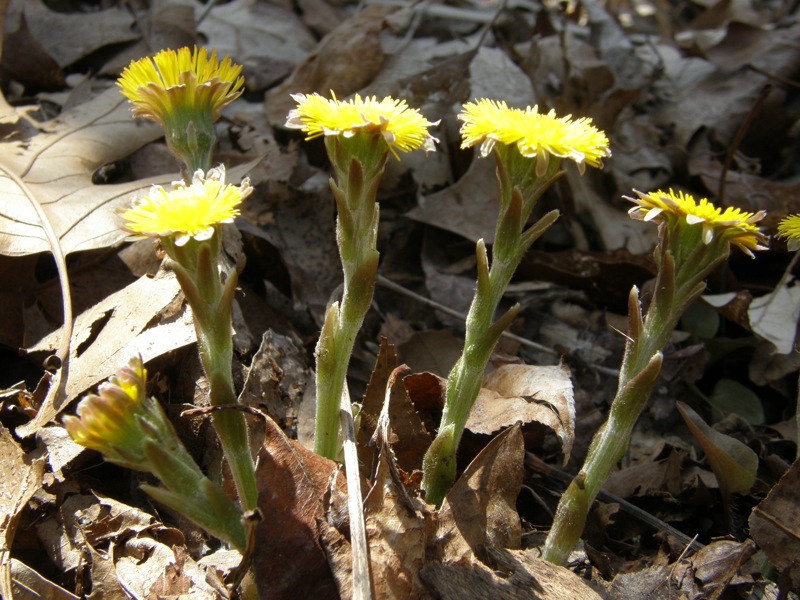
[[527, 393], [521, 576], [79, 33], [56, 166], [774, 316], [468, 207], [30, 585], [142, 318], [396, 534], [357, 48], [292, 484], [261, 36]]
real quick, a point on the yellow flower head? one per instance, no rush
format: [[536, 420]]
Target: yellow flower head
[[789, 228], [403, 128], [733, 225], [187, 211], [536, 135], [179, 80], [107, 422]]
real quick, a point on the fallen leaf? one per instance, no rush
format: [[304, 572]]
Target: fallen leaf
[[267, 40], [21, 478], [356, 46], [80, 33], [774, 316], [277, 378], [142, 318], [516, 575], [302, 231], [55, 168], [480, 508], [435, 351], [27, 584], [468, 207], [718, 565], [409, 438], [288, 557], [396, 534], [529, 394], [775, 524]]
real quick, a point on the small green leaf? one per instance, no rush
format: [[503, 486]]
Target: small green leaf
[[733, 463], [730, 396], [701, 319]]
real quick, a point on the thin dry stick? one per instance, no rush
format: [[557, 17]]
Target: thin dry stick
[[390, 285], [358, 534]]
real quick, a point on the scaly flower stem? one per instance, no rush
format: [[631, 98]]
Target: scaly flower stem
[[358, 163], [678, 284], [520, 188], [189, 492], [211, 302]]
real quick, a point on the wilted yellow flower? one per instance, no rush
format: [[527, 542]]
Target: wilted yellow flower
[[536, 135], [789, 228], [732, 224], [187, 211], [109, 422], [178, 80], [403, 128]]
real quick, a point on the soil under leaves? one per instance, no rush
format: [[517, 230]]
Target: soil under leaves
[[695, 95]]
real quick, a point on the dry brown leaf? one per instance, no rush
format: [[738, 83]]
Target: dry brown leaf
[[343, 62], [519, 576], [649, 478], [80, 33], [21, 478], [435, 351], [480, 509], [718, 565], [409, 438], [301, 228], [288, 558], [277, 378], [775, 524], [267, 39], [530, 394], [144, 318], [396, 533], [468, 207], [30, 585]]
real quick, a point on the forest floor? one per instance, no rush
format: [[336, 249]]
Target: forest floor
[[700, 96]]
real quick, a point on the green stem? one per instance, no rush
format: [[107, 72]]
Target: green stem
[[189, 492], [358, 163], [211, 304], [674, 291], [520, 188]]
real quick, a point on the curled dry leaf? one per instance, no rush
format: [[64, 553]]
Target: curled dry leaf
[[530, 394], [775, 524], [21, 479], [480, 509], [289, 559], [396, 533]]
